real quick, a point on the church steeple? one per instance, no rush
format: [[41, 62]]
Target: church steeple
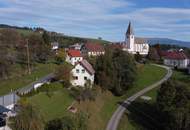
[[130, 29], [130, 38]]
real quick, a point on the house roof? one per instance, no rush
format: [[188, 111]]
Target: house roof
[[94, 47], [130, 30], [176, 55], [75, 45], [87, 66], [55, 44], [74, 53]]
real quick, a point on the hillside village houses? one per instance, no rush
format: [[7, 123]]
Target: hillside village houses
[[133, 45], [93, 49], [176, 58], [82, 73], [73, 56]]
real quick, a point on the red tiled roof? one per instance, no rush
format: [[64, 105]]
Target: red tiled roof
[[94, 47], [74, 53], [87, 66], [177, 55], [117, 45]]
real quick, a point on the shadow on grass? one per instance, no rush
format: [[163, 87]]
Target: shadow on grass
[[144, 115]]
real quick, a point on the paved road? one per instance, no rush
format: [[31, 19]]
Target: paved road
[[11, 98], [29, 87], [114, 121]]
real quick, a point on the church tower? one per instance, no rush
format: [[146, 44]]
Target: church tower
[[129, 38]]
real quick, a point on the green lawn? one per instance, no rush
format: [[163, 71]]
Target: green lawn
[[54, 106], [129, 122], [21, 81]]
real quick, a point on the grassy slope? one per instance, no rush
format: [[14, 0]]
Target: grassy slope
[[101, 110], [54, 106], [17, 82], [132, 125]]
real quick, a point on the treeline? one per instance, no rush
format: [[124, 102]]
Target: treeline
[[25, 51], [173, 103], [115, 71]]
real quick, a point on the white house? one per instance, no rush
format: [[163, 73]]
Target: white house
[[54, 46], [133, 45], [176, 59], [73, 56], [93, 49], [82, 72]]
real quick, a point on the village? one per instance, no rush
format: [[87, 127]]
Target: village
[[82, 73]]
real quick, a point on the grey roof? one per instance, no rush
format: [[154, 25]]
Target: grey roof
[[55, 44], [130, 30], [87, 66], [4, 109]]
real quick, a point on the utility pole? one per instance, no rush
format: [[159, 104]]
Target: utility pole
[[28, 56]]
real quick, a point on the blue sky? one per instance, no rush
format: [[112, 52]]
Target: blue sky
[[102, 18]]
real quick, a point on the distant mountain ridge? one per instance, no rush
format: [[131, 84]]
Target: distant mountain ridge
[[153, 41]]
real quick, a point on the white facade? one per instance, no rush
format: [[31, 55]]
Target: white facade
[[96, 53], [73, 60], [54, 45], [181, 64], [80, 76], [133, 47]]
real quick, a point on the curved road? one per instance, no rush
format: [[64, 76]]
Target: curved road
[[114, 121]]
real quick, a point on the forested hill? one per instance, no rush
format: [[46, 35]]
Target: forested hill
[[168, 41], [64, 40]]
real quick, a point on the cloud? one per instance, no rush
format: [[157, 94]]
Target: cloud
[[93, 18]]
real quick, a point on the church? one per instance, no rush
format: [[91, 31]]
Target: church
[[134, 45]]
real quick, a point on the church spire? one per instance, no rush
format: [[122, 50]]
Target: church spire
[[130, 29]]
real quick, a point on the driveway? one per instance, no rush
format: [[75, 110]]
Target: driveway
[[11, 98], [115, 119]]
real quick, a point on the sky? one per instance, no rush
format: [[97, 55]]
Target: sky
[[102, 18]]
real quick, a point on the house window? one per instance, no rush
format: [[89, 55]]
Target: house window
[[75, 77], [77, 71], [83, 70], [85, 78]]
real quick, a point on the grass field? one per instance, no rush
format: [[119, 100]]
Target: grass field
[[54, 106], [20, 81], [130, 123]]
